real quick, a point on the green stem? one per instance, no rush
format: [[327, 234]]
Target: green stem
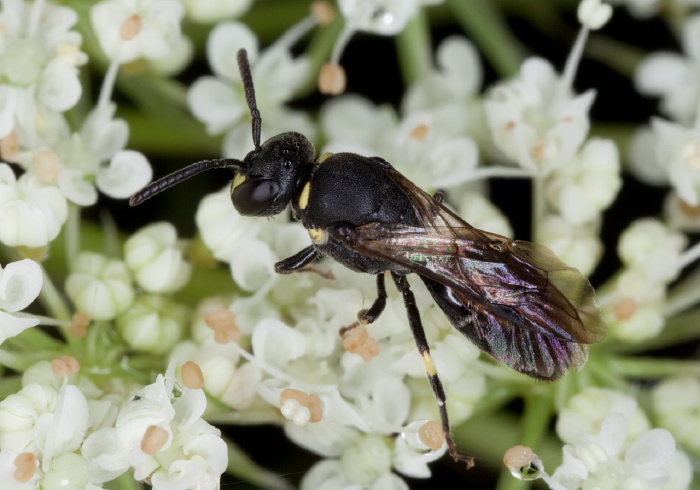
[[653, 368], [241, 466], [52, 299], [413, 47], [72, 235], [538, 411], [538, 205], [489, 30]]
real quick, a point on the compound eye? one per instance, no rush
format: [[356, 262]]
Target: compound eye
[[252, 198]]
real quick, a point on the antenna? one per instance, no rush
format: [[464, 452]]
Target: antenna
[[183, 174], [176, 177], [247, 78]]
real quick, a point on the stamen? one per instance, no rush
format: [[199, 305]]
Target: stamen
[[79, 324], [331, 79], [192, 376], [431, 434], [300, 407], [523, 463], [65, 365], [154, 439], [131, 27], [322, 12], [46, 165], [25, 467], [223, 323], [518, 456], [419, 132], [9, 147], [358, 341], [688, 209], [625, 308]]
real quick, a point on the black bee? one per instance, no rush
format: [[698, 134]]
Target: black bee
[[515, 300]]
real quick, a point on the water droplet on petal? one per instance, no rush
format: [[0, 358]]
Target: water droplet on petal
[[523, 463], [423, 436]]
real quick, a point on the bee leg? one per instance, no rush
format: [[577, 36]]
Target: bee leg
[[297, 261], [439, 196], [416, 325], [369, 315]]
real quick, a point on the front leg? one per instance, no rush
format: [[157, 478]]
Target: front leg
[[297, 261]]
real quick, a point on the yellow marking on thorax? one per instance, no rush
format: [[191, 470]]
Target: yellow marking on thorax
[[429, 366], [317, 235], [324, 157], [237, 180], [304, 197]]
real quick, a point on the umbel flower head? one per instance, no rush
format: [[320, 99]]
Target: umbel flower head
[[128, 345]]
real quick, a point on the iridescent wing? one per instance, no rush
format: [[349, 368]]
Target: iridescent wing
[[515, 300]]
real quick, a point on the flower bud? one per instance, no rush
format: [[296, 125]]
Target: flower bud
[[100, 287], [155, 259], [153, 324]]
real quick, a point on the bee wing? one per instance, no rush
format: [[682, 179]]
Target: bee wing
[[515, 300]]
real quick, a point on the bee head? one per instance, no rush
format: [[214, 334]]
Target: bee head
[[271, 175]]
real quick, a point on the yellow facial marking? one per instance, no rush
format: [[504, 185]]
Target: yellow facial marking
[[237, 180], [428, 361], [324, 157], [318, 235], [304, 197]]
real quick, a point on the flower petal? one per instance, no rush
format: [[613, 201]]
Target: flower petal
[[20, 284], [128, 172]]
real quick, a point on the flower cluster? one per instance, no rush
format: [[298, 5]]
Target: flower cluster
[[142, 346]]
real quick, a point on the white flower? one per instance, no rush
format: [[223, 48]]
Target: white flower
[[62, 432], [534, 120], [97, 154], [20, 413], [587, 184], [50, 425], [481, 213], [209, 11], [577, 246], [155, 259], [586, 411], [593, 14], [104, 461], [219, 101], [639, 8], [192, 451], [99, 286], [431, 147], [456, 79], [128, 30], [20, 284], [39, 55], [604, 460], [152, 324], [674, 77], [677, 152], [31, 213], [648, 245], [384, 17], [250, 246], [353, 123], [637, 312], [676, 404]]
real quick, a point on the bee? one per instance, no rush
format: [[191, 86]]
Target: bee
[[515, 300]]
